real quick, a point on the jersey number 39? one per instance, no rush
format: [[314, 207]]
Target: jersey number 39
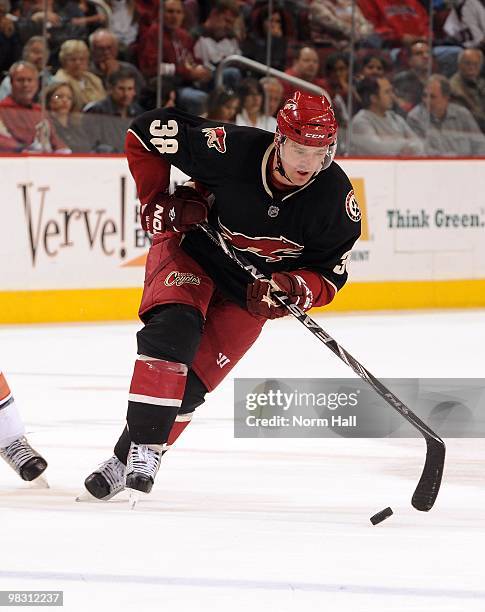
[[163, 136]]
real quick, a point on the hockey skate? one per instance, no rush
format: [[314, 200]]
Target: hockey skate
[[27, 462], [142, 466], [107, 481]]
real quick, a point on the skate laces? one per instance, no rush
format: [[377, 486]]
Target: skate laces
[[18, 452], [144, 460], [113, 471]]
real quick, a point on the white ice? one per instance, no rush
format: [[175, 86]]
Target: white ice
[[243, 525]]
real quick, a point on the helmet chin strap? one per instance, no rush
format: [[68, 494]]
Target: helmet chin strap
[[279, 163]]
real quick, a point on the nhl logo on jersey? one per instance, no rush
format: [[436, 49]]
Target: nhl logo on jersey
[[352, 207], [216, 138]]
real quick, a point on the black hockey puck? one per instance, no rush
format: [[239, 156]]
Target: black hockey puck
[[381, 516]]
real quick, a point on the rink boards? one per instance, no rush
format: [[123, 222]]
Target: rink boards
[[72, 248]]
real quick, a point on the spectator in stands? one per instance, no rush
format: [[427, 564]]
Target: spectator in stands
[[273, 94], [397, 22], [468, 87], [118, 109], [95, 14], [337, 73], [252, 114], [104, 58], [21, 125], [376, 129], [178, 58], [465, 24], [216, 40], [67, 121], [409, 84], [169, 94], [223, 105], [64, 21], [449, 129], [74, 58], [10, 45], [373, 65], [306, 66], [124, 24], [36, 52], [331, 25], [255, 44], [120, 100]]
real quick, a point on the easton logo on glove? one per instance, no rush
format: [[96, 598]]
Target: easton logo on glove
[[179, 212]]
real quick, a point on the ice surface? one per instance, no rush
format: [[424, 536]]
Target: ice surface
[[243, 525]]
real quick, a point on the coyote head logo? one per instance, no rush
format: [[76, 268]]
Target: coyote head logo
[[216, 138]]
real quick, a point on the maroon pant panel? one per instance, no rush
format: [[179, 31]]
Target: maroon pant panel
[[229, 333], [172, 277]]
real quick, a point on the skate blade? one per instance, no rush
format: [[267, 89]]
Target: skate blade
[[86, 497], [39, 483], [134, 497]]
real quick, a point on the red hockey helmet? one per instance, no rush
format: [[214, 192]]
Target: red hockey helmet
[[309, 120]]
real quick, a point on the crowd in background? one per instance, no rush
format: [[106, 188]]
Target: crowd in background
[[400, 85]]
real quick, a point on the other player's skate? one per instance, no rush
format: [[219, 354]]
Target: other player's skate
[[26, 461], [106, 481], [141, 469]]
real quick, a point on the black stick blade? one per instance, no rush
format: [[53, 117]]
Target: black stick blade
[[429, 484]]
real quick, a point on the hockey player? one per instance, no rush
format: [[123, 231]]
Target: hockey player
[[279, 198], [14, 448]]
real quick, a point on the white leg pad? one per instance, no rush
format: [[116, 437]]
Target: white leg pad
[[11, 425]]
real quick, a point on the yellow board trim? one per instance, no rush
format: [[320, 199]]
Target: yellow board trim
[[59, 306]]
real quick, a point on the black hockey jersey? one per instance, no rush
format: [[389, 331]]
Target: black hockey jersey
[[311, 228]]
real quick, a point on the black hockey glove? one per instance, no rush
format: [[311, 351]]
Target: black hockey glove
[[260, 301], [179, 212]]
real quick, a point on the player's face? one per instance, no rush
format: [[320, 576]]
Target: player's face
[[301, 162]]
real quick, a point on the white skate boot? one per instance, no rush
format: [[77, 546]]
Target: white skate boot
[[27, 462], [108, 480], [142, 466]]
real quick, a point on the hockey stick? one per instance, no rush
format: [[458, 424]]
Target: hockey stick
[[429, 484]]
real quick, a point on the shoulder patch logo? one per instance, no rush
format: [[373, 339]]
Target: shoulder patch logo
[[352, 208], [216, 138]]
